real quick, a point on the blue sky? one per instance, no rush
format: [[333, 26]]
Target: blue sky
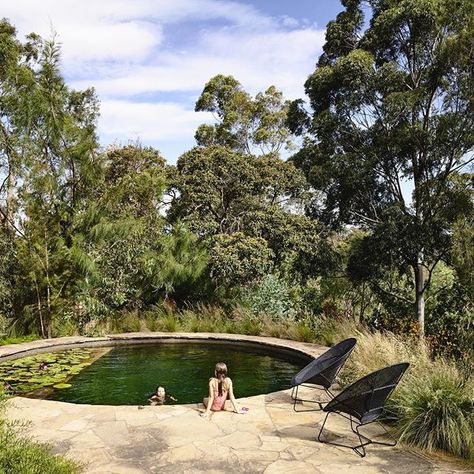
[[150, 59]]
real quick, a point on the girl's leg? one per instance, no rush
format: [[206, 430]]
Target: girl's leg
[[205, 402]]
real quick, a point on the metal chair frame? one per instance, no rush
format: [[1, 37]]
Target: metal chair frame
[[379, 409], [294, 396]]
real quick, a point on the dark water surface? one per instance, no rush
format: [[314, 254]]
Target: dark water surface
[[128, 375]]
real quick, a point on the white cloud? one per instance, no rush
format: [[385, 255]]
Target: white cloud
[[125, 48], [257, 60], [122, 119]]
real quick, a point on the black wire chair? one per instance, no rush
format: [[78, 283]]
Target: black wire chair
[[364, 401], [322, 371]]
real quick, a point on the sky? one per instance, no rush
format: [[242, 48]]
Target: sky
[[149, 60]]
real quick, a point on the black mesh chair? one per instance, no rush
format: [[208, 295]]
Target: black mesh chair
[[322, 372], [363, 402]]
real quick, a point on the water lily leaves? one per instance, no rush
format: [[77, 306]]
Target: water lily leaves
[[44, 370], [62, 385]]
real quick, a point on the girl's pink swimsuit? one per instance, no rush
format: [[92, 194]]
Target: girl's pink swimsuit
[[219, 400]]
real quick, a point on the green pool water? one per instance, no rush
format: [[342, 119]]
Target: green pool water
[[128, 375]]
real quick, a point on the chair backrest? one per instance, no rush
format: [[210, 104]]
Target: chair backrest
[[324, 369], [366, 397]]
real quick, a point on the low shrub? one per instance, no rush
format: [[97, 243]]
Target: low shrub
[[126, 322], [436, 409], [301, 331], [270, 296], [19, 339]]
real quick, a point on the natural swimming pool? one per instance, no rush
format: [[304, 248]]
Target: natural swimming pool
[[128, 374]]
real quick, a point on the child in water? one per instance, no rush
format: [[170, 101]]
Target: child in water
[[160, 396], [220, 390]]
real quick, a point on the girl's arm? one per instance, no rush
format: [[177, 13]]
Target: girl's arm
[[231, 397], [211, 397]]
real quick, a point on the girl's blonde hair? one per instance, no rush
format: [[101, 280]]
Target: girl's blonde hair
[[221, 374]]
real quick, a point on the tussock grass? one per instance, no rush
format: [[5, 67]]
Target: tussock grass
[[208, 318], [436, 408]]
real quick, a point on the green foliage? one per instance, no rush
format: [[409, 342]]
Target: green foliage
[[390, 105], [221, 193], [238, 259], [18, 340], [18, 453], [243, 124], [270, 296], [436, 410], [125, 322], [47, 152], [178, 267]]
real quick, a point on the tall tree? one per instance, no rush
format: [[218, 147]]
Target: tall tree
[[245, 125], [48, 155], [220, 192], [392, 107]]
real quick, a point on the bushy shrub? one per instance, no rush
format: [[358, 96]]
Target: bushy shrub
[[18, 340], [270, 296], [126, 322], [301, 331], [436, 409]]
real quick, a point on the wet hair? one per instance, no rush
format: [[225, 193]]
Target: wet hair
[[159, 386], [221, 374]]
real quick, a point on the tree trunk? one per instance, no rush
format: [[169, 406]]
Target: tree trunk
[[48, 289], [40, 312], [10, 198], [420, 278]]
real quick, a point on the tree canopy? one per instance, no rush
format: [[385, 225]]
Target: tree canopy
[[244, 124], [392, 110]]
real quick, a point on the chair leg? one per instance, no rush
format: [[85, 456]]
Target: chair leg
[[294, 396], [359, 448], [322, 428], [362, 445]]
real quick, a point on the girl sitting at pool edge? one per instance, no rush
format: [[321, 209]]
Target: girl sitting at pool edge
[[220, 390]]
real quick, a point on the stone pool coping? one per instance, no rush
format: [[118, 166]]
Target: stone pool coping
[[15, 351], [270, 438]]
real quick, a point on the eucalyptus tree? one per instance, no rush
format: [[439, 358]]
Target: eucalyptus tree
[[243, 124], [392, 109]]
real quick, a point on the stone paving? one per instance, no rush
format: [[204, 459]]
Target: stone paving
[[270, 438]]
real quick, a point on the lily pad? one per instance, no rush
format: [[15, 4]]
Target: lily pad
[[62, 385]]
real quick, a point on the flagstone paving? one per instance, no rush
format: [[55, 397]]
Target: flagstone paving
[[271, 438]]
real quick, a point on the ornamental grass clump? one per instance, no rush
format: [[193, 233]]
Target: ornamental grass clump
[[436, 409]]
